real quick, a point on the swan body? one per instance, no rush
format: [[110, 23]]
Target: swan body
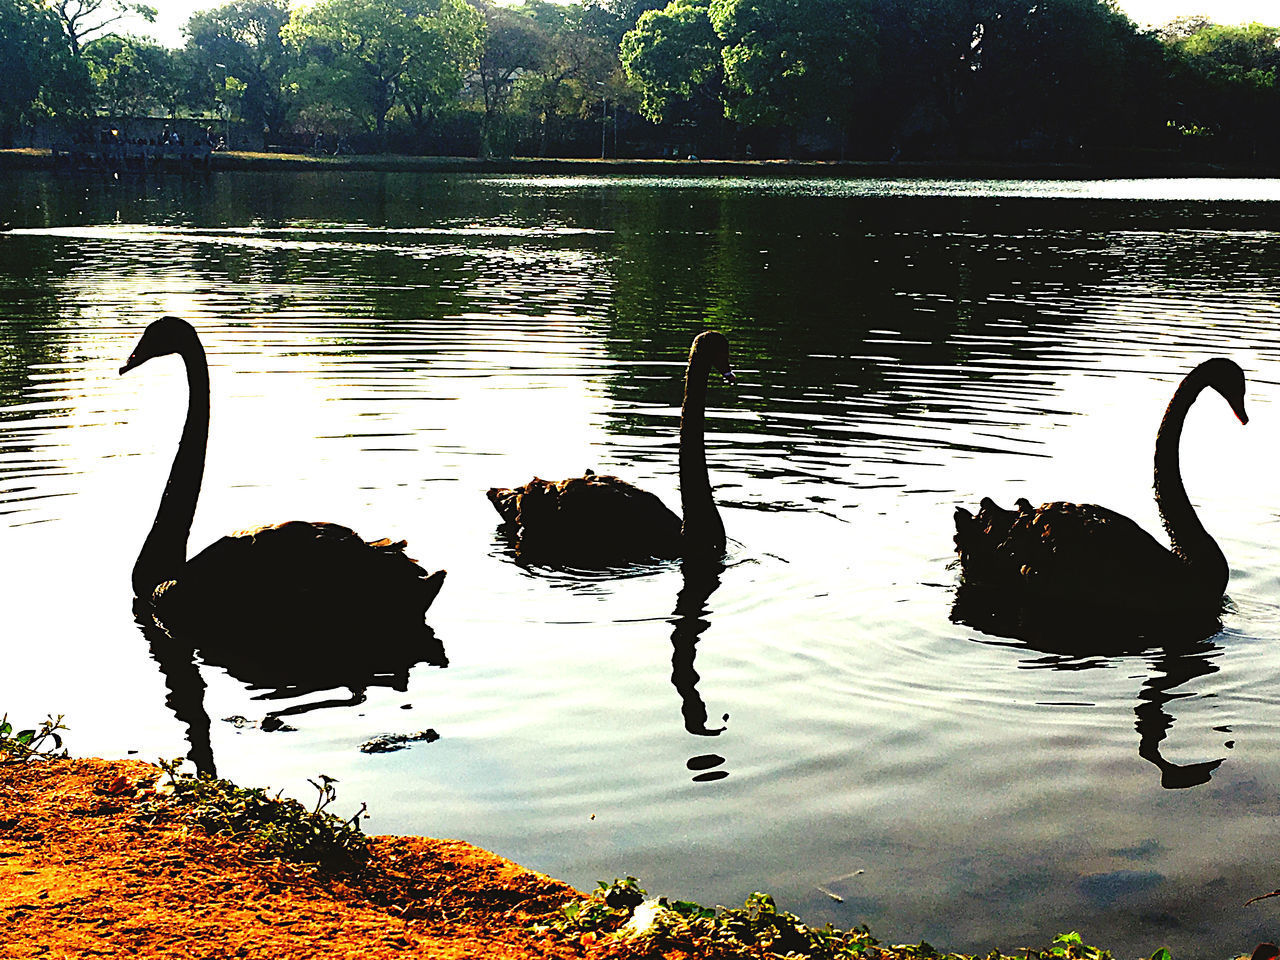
[[1085, 554], [270, 579], [596, 519]]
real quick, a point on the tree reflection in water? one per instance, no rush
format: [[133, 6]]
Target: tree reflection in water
[[1183, 651], [313, 658]]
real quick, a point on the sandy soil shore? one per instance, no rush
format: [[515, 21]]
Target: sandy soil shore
[[84, 872], [81, 876]]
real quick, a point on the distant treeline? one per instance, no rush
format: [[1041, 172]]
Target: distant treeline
[[838, 79]]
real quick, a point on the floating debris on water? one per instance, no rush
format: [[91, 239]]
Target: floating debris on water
[[389, 742]]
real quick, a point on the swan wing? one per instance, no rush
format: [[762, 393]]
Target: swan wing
[[1076, 552], [592, 517], [322, 569]]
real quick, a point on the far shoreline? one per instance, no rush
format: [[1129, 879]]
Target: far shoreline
[[1131, 168]]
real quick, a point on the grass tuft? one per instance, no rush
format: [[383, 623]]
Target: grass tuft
[[280, 826]]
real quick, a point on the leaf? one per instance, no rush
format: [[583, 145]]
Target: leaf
[[1162, 954]]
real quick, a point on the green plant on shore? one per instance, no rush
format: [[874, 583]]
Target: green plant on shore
[[40, 743], [280, 826], [758, 930]]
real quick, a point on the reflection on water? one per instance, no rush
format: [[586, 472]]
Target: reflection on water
[[387, 347], [331, 661], [1079, 640], [700, 581]]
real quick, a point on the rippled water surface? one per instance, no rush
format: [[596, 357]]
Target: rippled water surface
[[814, 722]]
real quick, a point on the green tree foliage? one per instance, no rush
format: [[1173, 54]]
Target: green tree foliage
[[42, 79], [1061, 79], [240, 41], [1246, 53], [786, 61], [1012, 78], [133, 77], [1049, 69], [361, 58], [673, 56], [574, 74], [445, 47], [514, 43], [613, 18], [1223, 80]]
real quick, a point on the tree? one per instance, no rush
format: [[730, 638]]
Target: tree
[[513, 44], [1248, 51], [786, 61], [1228, 77], [241, 41], [672, 56], [1055, 71], [83, 20], [41, 79], [444, 46], [1180, 28], [614, 18], [573, 76], [361, 58], [133, 76]]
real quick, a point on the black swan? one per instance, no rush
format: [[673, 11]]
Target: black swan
[[1082, 554], [596, 519], [286, 581]]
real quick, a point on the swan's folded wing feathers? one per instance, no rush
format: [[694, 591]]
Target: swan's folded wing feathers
[[590, 517], [310, 562]]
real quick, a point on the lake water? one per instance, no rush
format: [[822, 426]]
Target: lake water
[[384, 347]]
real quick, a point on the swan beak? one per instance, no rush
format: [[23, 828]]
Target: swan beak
[[1238, 410]]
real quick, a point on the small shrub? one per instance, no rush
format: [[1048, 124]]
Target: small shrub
[[280, 826], [40, 743]]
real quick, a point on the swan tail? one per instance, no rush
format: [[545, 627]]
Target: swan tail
[[431, 588], [506, 500], [982, 538]]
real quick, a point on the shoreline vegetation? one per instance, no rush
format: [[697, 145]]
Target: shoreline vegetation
[[123, 857], [1136, 167]]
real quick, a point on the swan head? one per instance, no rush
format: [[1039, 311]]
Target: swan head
[[713, 346], [1226, 377], [164, 336]]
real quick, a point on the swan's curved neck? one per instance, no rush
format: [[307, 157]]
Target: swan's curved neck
[[1187, 535], [165, 549], [703, 531]]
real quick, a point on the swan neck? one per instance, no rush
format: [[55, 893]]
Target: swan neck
[[1190, 541], [165, 549], [703, 531]]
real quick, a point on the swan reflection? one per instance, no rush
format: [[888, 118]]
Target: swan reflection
[[689, 624], [332, 660], [1181, 651]]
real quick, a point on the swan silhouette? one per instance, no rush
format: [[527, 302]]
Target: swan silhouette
[[596, 519], [294, 581], [1087, 555]]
